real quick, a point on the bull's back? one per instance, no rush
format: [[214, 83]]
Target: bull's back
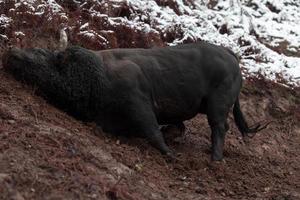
[[180, 77]]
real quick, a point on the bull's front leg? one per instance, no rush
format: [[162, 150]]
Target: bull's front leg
[[156, 139], [143, 120]]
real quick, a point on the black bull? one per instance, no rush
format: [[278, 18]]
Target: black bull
[[136, 90]]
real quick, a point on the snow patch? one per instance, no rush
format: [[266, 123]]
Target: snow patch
[[4, 20], [258, 25], [93, 35], [19, 33]]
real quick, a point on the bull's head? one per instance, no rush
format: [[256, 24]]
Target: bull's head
[[68, 79], [30, 65]]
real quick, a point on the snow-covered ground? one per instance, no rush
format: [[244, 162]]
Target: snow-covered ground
[[264, 33]]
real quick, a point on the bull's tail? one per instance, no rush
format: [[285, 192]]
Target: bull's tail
[[242, 124]]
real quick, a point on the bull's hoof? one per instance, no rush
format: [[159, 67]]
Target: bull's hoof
[[216, 157], [217, 165], [170, 157], [171, 154]]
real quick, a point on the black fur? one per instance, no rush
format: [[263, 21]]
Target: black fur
[[136, 90]]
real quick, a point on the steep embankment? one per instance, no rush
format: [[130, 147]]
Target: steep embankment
[[46, 154]]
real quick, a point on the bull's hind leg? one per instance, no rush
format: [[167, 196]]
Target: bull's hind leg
[[143, 121], [217, 113]]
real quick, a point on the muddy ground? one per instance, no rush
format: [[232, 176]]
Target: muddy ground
[[46, 154]]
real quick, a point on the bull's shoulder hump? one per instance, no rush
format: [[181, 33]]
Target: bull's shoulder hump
[[123, 66], [125, 74]]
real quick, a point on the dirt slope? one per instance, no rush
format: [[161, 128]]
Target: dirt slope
[[46, 154]]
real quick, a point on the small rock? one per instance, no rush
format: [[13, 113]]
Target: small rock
[[186, 183], [153, 186], [231, 192], [94, 196], [138, 167], [265, 147], [11, 121], [4, 177], [183, 178], [267, 189], [155, 196]]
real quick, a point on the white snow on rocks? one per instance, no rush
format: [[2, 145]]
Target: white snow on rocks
[[4, 21], [255, 23]]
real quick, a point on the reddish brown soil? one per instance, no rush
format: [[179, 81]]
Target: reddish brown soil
[[46, 154]]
